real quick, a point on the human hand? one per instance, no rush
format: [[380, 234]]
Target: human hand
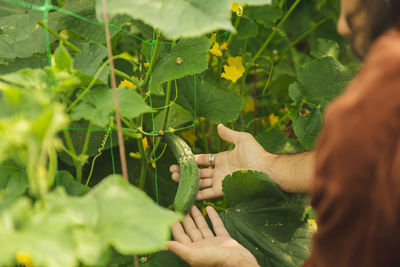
[[248, 154], [197, 245]]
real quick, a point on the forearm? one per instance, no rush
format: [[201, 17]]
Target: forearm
[[292, 173]]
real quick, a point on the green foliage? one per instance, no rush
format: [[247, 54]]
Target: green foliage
[[98, 105], [62, 230], [18, 28], [275, 238], [212, 101], [178, 19], [188, 56], [61, 107]]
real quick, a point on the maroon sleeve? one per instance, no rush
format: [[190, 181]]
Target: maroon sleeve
[[356, 186]]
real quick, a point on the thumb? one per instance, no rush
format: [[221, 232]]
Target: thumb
[[180, 250], [228, 135]]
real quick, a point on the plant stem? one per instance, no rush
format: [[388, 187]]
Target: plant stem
[[230, 38], [115, 96], [301, 37], [69, 142], [87, 139], [271, 36], [165, 117], [53, 166], [59, 37], [276, 124], [143, 173], [203, 133], [92, 82], [143, 155], [123, 75], [153, 60], [77, 163]]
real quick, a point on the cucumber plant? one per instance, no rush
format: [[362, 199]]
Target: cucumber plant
[[268, 67]]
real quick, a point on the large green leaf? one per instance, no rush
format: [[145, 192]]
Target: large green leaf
[[63, 230], [247, 28], [266, 15], [193, 53], [89, 60], [18, 28], [275, 142], [265, 220], [325, 48], [212, 101], [307, 127], [36, 79], [178, 18], [323, 80], [12, 178], [72, 187], [13, 182], [22, 63], [98, 105], [90, 31]]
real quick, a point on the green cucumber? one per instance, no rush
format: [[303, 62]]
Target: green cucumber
[[189, 173]]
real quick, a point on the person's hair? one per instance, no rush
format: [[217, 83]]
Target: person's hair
[[381, 15]]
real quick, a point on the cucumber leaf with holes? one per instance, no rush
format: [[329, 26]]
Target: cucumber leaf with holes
[[20, 36], [266, 220], [187, 57], [323, 80], [307, 127]]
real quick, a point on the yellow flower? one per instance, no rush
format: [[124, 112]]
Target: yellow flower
[[24, 258], [237, 8], [249, 105], [189, 136], [153, 164], [147, 64], [234, 70], [273, 119], [127, 84], [134, 155], [145, 144], [313, 224], [224, 46], [215, 50]]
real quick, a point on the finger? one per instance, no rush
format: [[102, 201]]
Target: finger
[[230, 135], [201, 223], [179, 234], [180, 250], [203, 159], [205, 183], [208, 193], [218, 225], [174, 168], [206, 173], [191, 229], [175, 176]]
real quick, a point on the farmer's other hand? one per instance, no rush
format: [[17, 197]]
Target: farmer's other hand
[[248, 154], [197, 245]]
